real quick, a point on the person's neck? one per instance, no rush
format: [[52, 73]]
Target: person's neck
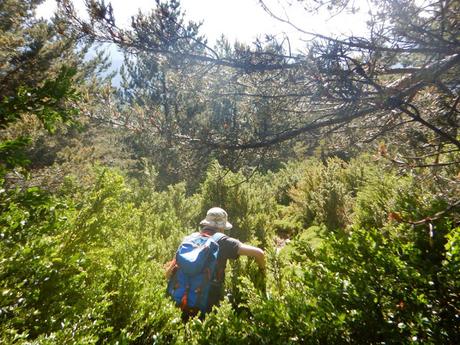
[[209, 230]]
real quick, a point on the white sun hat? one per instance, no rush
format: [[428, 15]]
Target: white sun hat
[[216, 218]]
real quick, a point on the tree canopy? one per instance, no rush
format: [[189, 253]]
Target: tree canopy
[[374, 83]]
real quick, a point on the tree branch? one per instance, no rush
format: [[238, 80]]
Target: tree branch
[[436, 216], [416, 116]]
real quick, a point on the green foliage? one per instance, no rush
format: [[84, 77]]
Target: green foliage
[[42, 81], [249, 202], [47, 102], [82, 271], [325, 193], [85, 265], [357, 251], [13, 153]]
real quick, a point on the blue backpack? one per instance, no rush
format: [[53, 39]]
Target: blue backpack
[[195, 260]]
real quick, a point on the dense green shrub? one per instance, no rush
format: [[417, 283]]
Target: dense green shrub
[[84, 266], [250, 203], [373, 283], [81, 270]]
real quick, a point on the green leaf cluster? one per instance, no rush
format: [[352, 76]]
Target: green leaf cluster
[[85, 266]]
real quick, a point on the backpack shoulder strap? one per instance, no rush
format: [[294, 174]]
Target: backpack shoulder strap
[[218, 236]]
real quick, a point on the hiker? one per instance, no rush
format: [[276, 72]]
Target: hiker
[[193, 291]]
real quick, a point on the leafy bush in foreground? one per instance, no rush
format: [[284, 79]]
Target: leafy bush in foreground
[[85, 266]]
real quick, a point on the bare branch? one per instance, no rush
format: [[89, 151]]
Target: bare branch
[[436, 216]]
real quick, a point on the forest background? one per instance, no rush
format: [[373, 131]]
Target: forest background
[[340, 160]]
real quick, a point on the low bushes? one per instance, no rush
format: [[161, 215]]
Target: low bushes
[[85, 266]]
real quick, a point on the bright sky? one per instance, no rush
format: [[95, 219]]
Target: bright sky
[[242, 20], [238, 19]]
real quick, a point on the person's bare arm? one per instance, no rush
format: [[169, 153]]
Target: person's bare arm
[[257, 253]]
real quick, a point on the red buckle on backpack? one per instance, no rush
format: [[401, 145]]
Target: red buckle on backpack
[[183, 302]]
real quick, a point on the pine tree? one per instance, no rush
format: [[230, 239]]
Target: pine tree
[[43, 73]]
